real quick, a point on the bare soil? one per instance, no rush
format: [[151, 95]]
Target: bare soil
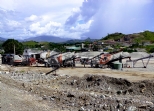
[[74, 89]]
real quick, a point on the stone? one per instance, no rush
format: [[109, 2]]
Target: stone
[[143, 107], [106, 107], [119, 105], [131, 108], [152, 101], [102, 96], [52, 99], [119, 92]]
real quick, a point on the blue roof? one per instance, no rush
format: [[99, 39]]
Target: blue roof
[[73, 48]]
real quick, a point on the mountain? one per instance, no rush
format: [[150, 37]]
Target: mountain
[[47, 39], [146, 36], [54, 39], [2, 39], [57, 39], [72, 41]]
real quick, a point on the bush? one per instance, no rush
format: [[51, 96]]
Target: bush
[[11, 44], [150, 48]]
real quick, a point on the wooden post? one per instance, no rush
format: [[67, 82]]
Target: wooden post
[[14, 50]]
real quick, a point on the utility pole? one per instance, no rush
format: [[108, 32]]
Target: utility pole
[[14, 49]]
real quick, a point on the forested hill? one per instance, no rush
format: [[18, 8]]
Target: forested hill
[[139, 37]]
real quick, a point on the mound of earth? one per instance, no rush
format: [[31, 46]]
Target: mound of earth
[[89, 93]]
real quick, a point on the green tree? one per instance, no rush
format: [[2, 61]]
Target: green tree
[[11, 44], [149, 35], [151, 50], [60, 47]]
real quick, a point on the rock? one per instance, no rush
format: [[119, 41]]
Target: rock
[[143, 107], [102, 96], [52, 99], [70, 95], [142, 85], [143, 90], [82, 108], [151, 109], [6, 72], [112, 108], [119, 92], [92, 93], [130, 90], [44, 97], [131, 108], [152, 101], [23, 85], [119, 105], [106, 107]]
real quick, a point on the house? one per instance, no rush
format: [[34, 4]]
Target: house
[[73, 48], [31, 51]]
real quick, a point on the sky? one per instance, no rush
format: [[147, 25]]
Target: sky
[[21, 19]]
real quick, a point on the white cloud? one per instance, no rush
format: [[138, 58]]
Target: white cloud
[[8, 4], [9, 25], [32, 18], [49, 28], [75, 10], [82, 27], [92, 18], [12, 23], [57, 29], [0, 25], [35, 17]]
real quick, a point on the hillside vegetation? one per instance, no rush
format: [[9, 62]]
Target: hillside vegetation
[[146, 36], [142, 40], [113, 36]]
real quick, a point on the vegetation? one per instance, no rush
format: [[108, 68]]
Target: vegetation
[[60, 47], [138, 37], [148, 36], [150, 48], [31, 44], [140, 40], [130, 50], [11, 44], [114, 36]]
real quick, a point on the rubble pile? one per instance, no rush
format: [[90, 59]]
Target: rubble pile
[[90, 92]]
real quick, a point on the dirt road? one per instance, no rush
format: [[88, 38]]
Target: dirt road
[[131, 74], [13, 99]]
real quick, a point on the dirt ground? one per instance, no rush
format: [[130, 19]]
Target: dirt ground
[[13, 99], [76, 89], [132, 74]]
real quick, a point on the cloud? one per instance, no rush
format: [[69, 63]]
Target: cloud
[[85, 13], [47, 25], [111, 16], [81, 27], [7, 24], [89, 8], [10, 25], [8, 4], [57, 29], [32, 18], [50, 28], [4, 14], [74, 19], [36, 16]]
